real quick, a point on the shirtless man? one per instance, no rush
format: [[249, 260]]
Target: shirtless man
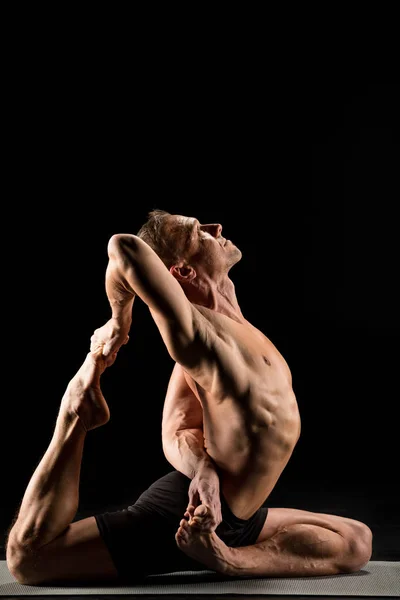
[[230, 424]]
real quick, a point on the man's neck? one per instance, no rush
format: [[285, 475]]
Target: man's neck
[[218, 296]]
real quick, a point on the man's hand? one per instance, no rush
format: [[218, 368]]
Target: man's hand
[[109, 338], [204, 490]]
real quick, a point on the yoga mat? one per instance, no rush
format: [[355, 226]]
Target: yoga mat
[[377, 578]]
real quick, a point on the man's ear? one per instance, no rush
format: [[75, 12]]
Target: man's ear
[[183, 273]]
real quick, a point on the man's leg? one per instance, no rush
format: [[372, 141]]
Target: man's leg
[[43, 544], [295, 543]]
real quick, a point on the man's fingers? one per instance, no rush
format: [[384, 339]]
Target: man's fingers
[[209, 514], [202, 511], [96, 348], [108, 348], [111, 359]]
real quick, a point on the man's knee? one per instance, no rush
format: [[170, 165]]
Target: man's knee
[[21, 559], [17, 563], [359, 547]]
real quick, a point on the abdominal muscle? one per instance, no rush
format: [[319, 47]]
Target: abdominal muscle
[[250, 440]]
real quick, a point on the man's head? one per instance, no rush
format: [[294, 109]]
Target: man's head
[[188, 248]]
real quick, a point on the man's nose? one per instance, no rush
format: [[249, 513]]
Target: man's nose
[[214, 229]]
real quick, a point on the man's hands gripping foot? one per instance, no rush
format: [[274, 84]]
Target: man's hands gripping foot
[[205, 489], [195, 539]]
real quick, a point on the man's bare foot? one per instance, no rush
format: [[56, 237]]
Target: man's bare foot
[[83, 396], [207, 548]]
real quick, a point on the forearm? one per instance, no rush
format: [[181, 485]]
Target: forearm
[[118, 289], [186, 453], [119, 294]]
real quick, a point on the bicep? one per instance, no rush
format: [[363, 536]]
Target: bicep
[[182, 410], [147, 276]]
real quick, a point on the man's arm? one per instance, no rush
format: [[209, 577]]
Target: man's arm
[[134, 269], [183, 445], [182, 427], [185, 452], [120, 295]]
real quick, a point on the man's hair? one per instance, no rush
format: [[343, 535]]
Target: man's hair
[[152, 232]]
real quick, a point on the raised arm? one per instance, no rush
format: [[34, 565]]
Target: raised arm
[[135, 269]]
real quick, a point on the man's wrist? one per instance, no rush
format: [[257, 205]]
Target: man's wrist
[[206, 462], [122, 313], [122, 321]]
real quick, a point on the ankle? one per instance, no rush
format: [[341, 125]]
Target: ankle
[[233, 562], [69, 425]]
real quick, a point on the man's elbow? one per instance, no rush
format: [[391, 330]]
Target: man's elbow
[[168, 441], [121, 245]]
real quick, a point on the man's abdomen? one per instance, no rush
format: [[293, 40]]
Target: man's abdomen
[[249, 451]]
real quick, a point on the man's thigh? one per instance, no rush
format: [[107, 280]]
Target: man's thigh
[[279, 518], [79, 554]]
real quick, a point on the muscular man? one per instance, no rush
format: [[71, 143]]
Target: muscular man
[[230, 424]]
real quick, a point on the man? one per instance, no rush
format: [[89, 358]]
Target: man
[[230, 424]]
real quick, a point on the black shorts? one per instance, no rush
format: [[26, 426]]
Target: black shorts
[[141, 537]]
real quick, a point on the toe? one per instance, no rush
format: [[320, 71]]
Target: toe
[[197, 521], [178, 538], [181, 536]]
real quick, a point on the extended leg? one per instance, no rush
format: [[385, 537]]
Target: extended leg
[[295, 550], [51, 498]]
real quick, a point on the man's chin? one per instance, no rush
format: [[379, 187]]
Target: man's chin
[[235, 255], [237, 251]]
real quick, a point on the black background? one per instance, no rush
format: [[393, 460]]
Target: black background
[[302, 175]]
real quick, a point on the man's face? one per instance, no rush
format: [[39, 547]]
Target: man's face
[[203, 245]]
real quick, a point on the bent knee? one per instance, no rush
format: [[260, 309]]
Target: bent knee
[[26, 574], [359, 547], [21, 564], [21, 577], [17, 567]]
